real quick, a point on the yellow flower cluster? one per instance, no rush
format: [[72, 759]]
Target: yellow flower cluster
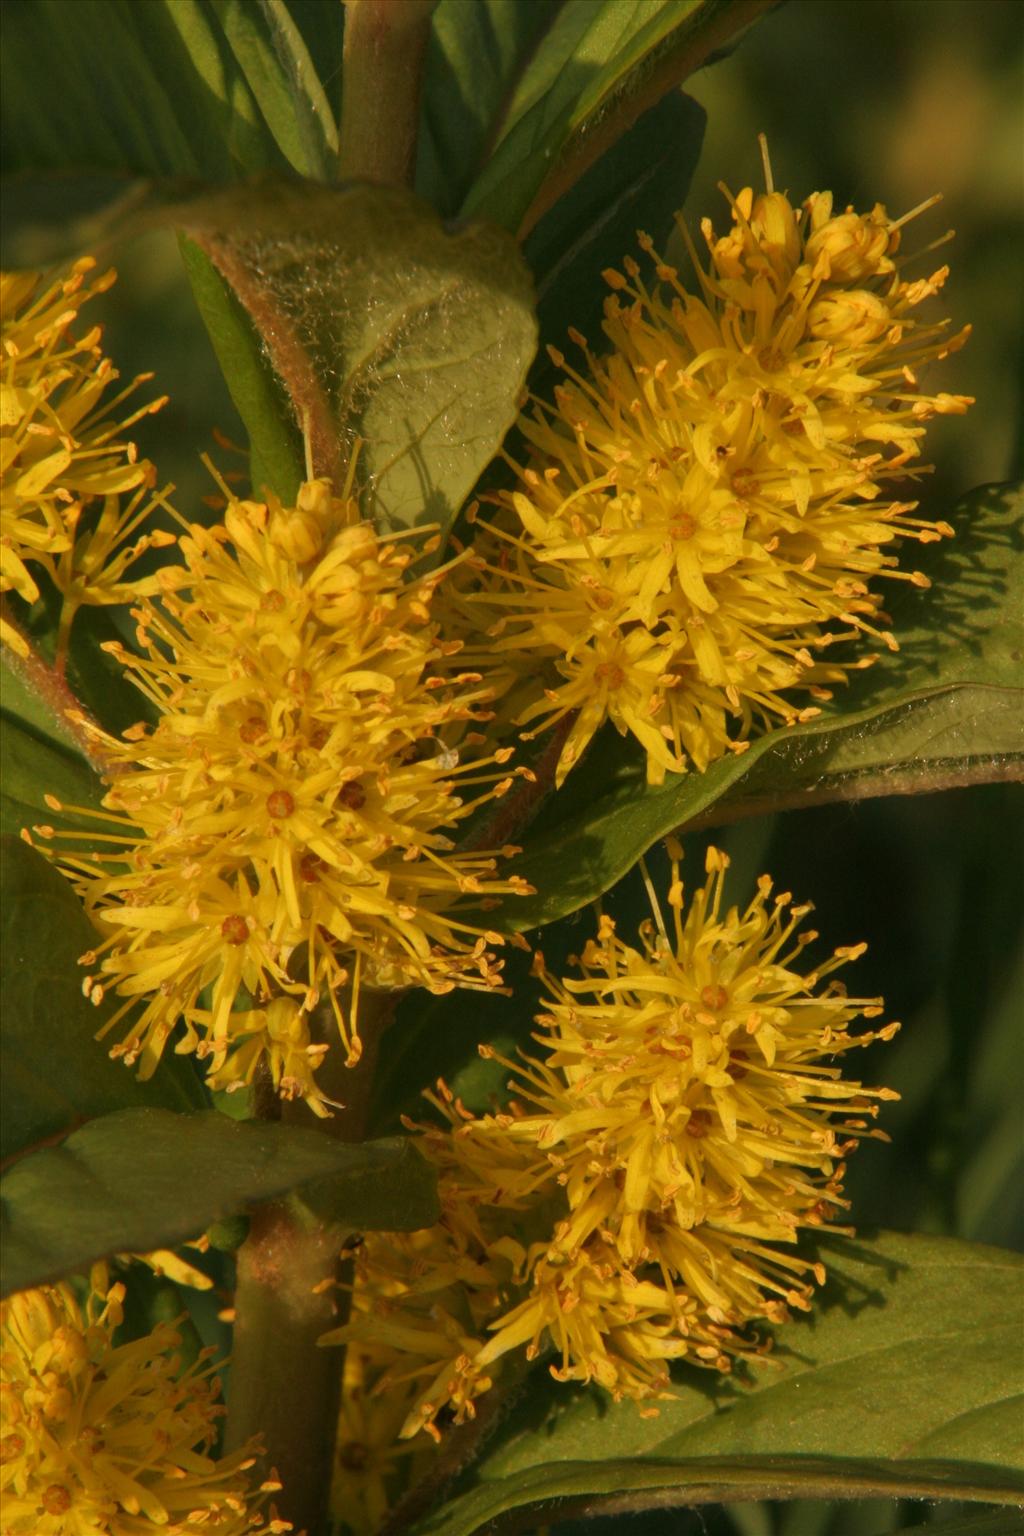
[[105, 1439], [687, 1117], [282, 833], [705, 508], [373, 1464], [61, 452], [423, 1300]]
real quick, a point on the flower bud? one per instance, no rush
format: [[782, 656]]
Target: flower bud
[[855, 317], [852, 246]]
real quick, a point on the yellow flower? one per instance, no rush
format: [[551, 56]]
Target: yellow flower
[[112, 1439], [373, 1463], [61, 450], [284, 831], [689, 1099], [610, 1325], [164, 1262], [422, 1301], [705, 507], [687, 1118]]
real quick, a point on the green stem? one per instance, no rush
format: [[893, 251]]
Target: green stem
[[382, 71], [283, 1387]]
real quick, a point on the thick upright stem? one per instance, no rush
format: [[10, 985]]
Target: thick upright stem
[[382, 69], [283, 1386]]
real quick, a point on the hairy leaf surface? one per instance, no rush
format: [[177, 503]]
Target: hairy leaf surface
[[386, 331]]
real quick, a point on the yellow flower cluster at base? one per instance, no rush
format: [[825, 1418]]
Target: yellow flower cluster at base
[[105, 1439], [61, 451], [373, 1463], [281, 837], [705, 509], [687, 1118]]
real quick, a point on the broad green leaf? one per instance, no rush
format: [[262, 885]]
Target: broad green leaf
[[476, 55], [22, 704], [39, 752], [32, 766], [904, 1379], [274, 444], [136, 88], [989, 1522], [147, 1178], [384, 329], [53, 1073], [572, 1489], [596, 69], [169, 88], [946, 709]]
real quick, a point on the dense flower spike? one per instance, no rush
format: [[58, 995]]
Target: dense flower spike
[[61, 450], [112, 1439], [687, 1118], [705, 507], [282, 833]]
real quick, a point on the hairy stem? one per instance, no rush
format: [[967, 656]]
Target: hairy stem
[[283, 1386], [382, 71]]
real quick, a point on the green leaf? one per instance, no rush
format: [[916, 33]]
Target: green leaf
[[398, 1196], [274, 443], [908, 1366], [623, 1488], [989, 1522], [639, 184], [476, 55], [53, 1073], [992, 1168], [275, 63], [945, 710], [160, 116], [23, 705], [213, 88], [597, 68], [384, 330], [31, 767], [146, 1178]]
